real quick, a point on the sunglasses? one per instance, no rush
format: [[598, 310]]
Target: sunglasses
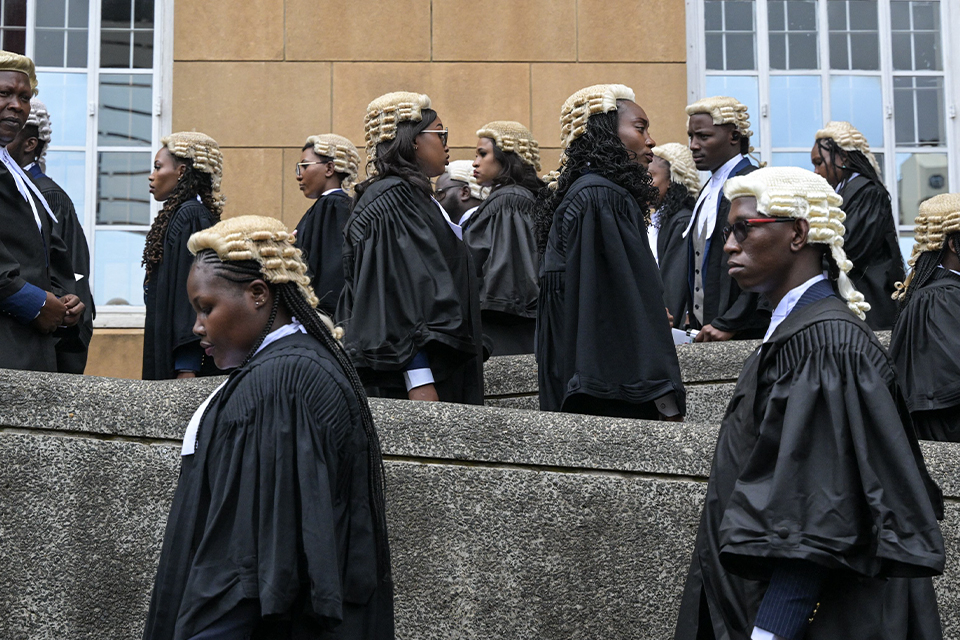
[[443, 133], [741, 228], [301, 166]]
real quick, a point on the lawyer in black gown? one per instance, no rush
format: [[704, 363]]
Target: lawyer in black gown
[[410, 304], [677, 181], [842, 156], [186, 178], [603, 338], [819, 505], [277, 527], [926, 339], [327, 170], [500, 235]]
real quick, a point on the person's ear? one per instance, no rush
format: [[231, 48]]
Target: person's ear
[[30, 145], [181, 171], [259, 293], [801, 230], [464, 193], [329, 170]]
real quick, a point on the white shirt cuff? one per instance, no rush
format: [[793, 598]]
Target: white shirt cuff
[[417, 378], [760, 634]]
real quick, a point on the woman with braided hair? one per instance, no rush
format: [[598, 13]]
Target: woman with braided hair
[[278, 527], [186, 178], [603, 338], [410, 305], [925, 343], [842, 156], [501, 237]]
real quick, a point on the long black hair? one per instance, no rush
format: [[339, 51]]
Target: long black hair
[[924, 268], [856, 162], [677, 198], [599, 150], [193, 183], [513, 170], [398, 157], [288, 294]]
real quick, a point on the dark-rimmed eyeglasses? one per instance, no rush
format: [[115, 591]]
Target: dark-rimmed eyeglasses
[[303, 165], [444, 134], [741, 228]]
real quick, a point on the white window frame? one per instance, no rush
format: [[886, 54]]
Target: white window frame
[[950, 43], [112, 316]]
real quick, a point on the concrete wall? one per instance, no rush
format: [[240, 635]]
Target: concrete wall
[[504, 523]]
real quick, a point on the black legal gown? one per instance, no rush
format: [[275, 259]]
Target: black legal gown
[[870, 242], [320, 236], [275, 505], [28, 255], [926, 348], [672, 258], [603, 339], [170, 317], [72, 347], [817, 460], [410, 285], [501, 238]]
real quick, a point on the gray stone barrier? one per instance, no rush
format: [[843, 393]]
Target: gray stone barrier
[[504, 523]]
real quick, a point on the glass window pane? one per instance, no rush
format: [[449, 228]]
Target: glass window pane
[[15, 40], [900, 15], [115, 49], [926, 51], [802, 15], [49, 48], [865, 50], [919, 110], [714, 50], [838, 51], [15, 13], [776, 15], [925, 15], [746, 90], [902, 51], [920, 176], [65, 95], [739, 15], [143, 49], [791, 159], [713, 15], [115, 14], [68, 169], [863, 15], [51, 13], [123, 196], [77, 48], [796, 110], [117, 274], [79, 13], [740, 54], [803, 51], [125, 112], [859, 101], [778, 51], [906, 244], [837, 15], [143, 14]]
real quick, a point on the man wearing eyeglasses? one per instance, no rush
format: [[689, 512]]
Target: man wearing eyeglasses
[[820, 520]]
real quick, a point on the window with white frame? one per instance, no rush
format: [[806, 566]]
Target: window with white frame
[[100, 67], [878, 64]]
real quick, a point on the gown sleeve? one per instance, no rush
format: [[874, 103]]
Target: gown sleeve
[[501, 238], [836, 476], [869, 219], [175, 267], [320, 236], [400, 294], [612, 282]]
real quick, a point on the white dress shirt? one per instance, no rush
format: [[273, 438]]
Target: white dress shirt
[[705, 213], [788, 302]]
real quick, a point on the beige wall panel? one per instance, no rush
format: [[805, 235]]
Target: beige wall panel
[[466, 95], [661, 90], [631, 30], [116, 353], [549, 160], [358, 30], [516, 30], [228, 30], [252, 104], [295, 204], [252, 182]]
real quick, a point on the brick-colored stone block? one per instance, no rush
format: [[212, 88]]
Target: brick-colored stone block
[[252, 182], [252, 104], [549, 160], [661, 90], [228, 30], [116, 353], [360, 30], [631, 31], [508, 30], [465, 95]]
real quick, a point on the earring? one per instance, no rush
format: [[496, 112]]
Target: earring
[[415, 147]]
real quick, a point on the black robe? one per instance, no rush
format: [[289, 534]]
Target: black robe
[[816, 460], [320, 235], [870, 242], [28, 255], [503, 243], [410, 286], [603, 339], [672, 258], [72, 348], [725, 305], [275, 505], [170, 317], [926, 349]]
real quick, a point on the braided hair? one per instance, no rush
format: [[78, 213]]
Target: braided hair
[[292, 298], [193, 183], [678, 197], [598, 150], [856, 162], [924, 268]]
